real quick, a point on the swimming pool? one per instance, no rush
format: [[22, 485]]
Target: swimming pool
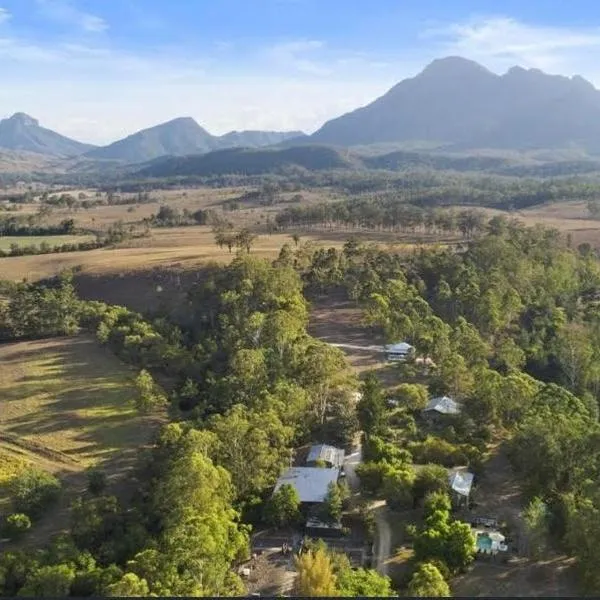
[[484, 542]]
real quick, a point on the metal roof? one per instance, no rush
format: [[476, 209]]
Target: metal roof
[[311, 483], [444, 405], [400, 348], [461, 482], [329, 454]]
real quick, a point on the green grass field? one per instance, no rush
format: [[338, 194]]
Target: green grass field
[[35, 240], [65, 405]]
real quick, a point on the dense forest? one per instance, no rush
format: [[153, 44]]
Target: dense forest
[[510, 322]]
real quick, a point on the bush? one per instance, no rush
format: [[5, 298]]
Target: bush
[[33, 491], [16, 525], [430, 478], [438, 451], [96, 481]]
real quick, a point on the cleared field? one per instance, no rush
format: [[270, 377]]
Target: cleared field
[[179, 248], [69, 396], [35, 240], [65, 405]]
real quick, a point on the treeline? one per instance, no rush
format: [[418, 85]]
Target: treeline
[[21, 226], [384, 214], [46, 248]]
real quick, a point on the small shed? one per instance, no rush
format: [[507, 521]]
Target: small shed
[[444, 405], [311, 483], [331, 456], [461, 483], [399, 351]]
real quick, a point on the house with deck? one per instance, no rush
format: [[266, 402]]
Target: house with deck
[[398, 352]]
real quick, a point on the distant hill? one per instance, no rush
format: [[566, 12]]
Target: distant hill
[[177, 137], [23, 133], [181, 137], [246, 161], [256, 139], [457, 104]]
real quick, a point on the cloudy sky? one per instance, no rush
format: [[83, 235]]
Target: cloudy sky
[[97, 70]]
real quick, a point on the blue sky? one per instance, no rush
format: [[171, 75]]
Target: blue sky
[[100, 69]]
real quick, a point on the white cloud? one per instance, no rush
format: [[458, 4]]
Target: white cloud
[[63, 11], [501, 42], [4, 15]]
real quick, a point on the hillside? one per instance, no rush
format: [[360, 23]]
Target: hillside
[[23, 133], [245, 161], [458, 104], [177, 137], [180, 137]]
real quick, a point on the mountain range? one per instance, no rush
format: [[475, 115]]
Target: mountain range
[[453, 105], [458, 104], [175, 138]]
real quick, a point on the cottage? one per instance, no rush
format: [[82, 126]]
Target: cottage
[[461, 483], [311, 483], [330, 456], [400, 351]]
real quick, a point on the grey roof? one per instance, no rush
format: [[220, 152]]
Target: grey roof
[[329, 454], [461, 482], [311, 483], [399, 348], [444, 405]]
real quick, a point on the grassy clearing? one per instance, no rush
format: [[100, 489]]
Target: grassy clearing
[[65, 405], [36, 240], [68, 399], [179, 248]]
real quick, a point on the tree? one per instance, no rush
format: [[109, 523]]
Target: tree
[[331, 510], [96, 481], [430, 478], [15, 526], [200, 535], [50, 581], [253, 445], [33, 491], [536, 521], [371, 406], [412, 396], [315, 575], [129, 586], [428, 582], [460, 546], [244, 239], [283, 508], [149, 396], [363, 583]]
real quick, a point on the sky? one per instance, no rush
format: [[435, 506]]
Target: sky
[[97, 70]]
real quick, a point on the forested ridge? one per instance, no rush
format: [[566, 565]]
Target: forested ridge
[[511, 323]]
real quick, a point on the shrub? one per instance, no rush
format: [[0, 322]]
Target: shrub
[[16, 525], [33, 491], [96, 481], [438, 451]]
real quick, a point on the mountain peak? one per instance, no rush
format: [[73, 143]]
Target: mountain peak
[[24, 119], [455, 103], [454, 66]]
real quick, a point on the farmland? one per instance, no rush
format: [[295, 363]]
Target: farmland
[[35, 240]]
